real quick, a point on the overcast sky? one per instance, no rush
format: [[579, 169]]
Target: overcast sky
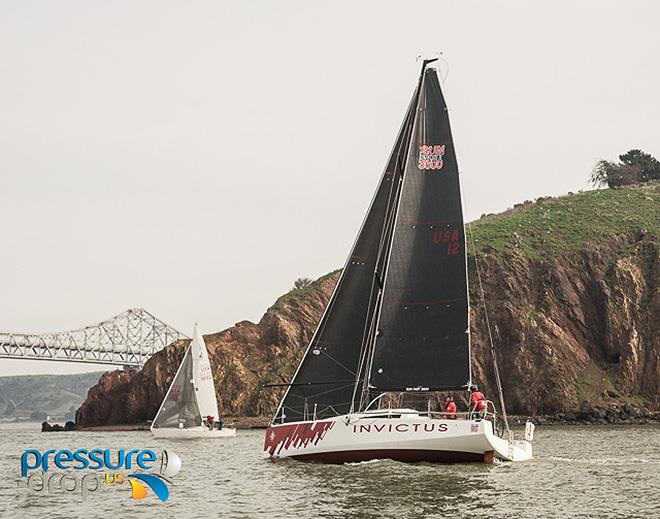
[[195, 158]]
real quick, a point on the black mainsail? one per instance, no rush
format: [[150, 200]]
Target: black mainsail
[[423, 330], [398, 318]]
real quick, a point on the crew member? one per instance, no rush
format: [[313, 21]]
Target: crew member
[[210, 421], [478, 402], [450, 408]]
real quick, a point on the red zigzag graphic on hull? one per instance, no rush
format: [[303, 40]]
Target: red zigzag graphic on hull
[[297, 435]]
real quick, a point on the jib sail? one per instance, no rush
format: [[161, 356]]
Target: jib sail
[[325, 381], [180, 408]]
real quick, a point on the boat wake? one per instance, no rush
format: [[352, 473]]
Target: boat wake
[[601, 461], [367, 462]]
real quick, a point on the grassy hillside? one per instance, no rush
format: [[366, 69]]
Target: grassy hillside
[[298, 292], [552, 226], [556, 225], [57, 396]]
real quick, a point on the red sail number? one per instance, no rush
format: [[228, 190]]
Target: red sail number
[[446, 236], [453, 249], [452, 238]]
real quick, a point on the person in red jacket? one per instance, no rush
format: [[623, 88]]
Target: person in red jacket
[[478, 402], [450, 408]]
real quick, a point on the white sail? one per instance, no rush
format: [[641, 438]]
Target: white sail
[[203, 377], [179, 408], [191, 399]]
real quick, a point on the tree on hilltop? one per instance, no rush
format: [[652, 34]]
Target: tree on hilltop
[[301, 283], [635, 166], [649, 166]]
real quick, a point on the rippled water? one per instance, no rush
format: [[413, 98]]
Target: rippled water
[[599, 472]]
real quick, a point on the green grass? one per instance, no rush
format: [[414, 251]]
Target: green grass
[[637, 400], [548, 228], [559, 225], [298, 292]]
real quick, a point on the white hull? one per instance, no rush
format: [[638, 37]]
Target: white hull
[[405, 437], [195, 432]]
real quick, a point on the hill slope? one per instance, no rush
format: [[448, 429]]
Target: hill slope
[[54, 395], [572, 293]]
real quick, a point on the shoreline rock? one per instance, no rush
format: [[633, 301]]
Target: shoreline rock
[[621, 414], [68, 426]]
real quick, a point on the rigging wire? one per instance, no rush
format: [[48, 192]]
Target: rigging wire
[[336, 361], [490, 334]]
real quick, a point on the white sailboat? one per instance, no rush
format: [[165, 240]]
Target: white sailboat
[[397, 324], [190, 399]]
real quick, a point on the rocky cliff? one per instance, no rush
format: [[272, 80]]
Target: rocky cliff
[[571, 288], [244, 357]]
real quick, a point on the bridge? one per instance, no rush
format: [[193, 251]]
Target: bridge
[[127, 339]]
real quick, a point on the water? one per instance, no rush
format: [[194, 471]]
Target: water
[[599, 472]]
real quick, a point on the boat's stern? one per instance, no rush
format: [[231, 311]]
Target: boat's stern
[[510, 449]]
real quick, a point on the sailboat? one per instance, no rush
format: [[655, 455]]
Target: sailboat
[[397, 324], [190, 399]]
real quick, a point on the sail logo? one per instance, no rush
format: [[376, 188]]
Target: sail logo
[[56, 471], [430, 157]]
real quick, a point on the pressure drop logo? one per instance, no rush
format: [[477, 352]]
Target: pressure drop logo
[[86, 471]]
